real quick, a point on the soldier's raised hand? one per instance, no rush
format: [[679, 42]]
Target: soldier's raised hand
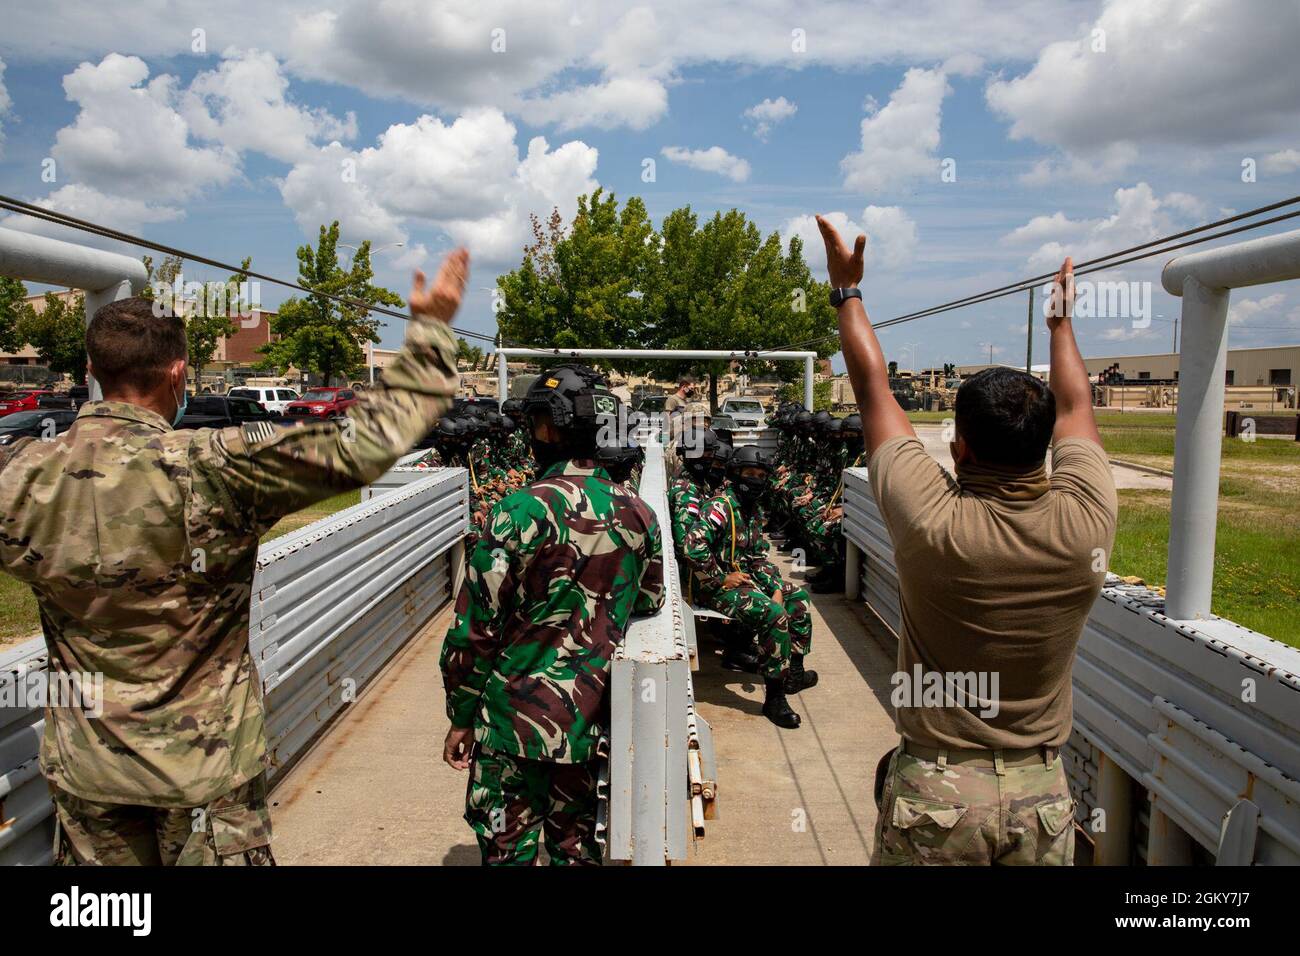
[[441, 300]]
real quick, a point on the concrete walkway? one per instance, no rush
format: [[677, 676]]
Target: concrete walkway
[[800, 797], [374, 790]]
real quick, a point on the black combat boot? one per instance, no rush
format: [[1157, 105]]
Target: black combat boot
[[798, 679], [739, 655], [775, 707]]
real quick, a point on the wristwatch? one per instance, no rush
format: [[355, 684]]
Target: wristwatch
[[840, 296]]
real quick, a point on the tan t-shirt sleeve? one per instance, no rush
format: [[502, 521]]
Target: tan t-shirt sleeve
[[1081, 471], [911, 488]]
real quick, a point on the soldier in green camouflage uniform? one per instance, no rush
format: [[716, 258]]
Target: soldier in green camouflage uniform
[[822, 528], [690, 487], [140, 544], [728, 553], [547, 596], [933, 809]]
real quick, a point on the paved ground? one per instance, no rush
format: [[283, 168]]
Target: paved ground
[[375, 790], [932, 436], [800, 797]]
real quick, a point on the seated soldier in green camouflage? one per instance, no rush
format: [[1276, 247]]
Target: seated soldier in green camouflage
[[823, 531], [549, 588], [734, 576], [140, 542], [690, 487]]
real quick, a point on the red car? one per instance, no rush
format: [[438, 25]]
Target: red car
[[24, 401], [322, 403]]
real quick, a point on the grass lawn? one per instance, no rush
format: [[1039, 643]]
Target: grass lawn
[[1257, 547], [18, 617]]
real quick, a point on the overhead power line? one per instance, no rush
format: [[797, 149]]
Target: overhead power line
[[1145, 250], [72, 222]]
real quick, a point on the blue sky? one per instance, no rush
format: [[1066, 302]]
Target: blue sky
[[1074, 126]]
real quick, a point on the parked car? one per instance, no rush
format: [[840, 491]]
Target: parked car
[[73, 398], [37, 423], [22, 401], [745, 412], [322, 402], [221, 411], [275, 400], [651, 404]]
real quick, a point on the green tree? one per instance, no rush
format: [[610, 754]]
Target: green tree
[[12, 293], [208, 319], [612, 281], [473, 356], [320, 334], [58, 334], [590, 288]]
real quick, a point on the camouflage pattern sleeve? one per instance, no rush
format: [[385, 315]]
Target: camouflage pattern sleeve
[[760, 567], [470, 649], [267, 472], [700, 546], [651, 595]]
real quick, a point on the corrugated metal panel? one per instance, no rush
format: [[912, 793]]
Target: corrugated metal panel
[[1194, 710], [654, 726], [331, 603]]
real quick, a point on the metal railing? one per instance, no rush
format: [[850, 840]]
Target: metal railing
[[660, 780], [332, 602]]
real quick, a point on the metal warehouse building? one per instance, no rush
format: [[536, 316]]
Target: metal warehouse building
[[1270, 365]]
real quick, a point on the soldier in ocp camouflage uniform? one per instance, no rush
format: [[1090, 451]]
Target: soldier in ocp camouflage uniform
[[140, 544], [547, 596], [933, 807]]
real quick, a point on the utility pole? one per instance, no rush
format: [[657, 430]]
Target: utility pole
[[1029, 335]]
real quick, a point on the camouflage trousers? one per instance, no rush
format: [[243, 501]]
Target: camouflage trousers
[[514, 803], [986, 808], [822, 535], [232, 830], [779, 629]]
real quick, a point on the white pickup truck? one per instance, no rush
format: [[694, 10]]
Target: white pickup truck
[[745, 412]]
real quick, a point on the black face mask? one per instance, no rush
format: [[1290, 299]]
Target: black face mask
[[750, 491], [698, 468]]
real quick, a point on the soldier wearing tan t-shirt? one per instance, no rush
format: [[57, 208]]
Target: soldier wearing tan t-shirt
[[998, 568]]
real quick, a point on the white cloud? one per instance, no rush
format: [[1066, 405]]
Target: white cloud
[[5, 104], [86, 202], [128, 139], [245, 105], [1139, 216], [715, 159], [439, 53], [890, 232], [1244, 310], [466, 178], [637, 102], [1171, 73], [898, 141], [768, 114], [1283, 161]]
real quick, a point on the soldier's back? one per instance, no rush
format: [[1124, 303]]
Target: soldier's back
[[143, 576]]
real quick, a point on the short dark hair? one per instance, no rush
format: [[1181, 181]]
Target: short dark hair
[[1006, 416], [130, 346]]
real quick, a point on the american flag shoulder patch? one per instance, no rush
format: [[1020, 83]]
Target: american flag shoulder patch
[[255, 432]]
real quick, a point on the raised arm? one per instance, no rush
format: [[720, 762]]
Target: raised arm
[[1068, 378], [882, 417], [269, 472]]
